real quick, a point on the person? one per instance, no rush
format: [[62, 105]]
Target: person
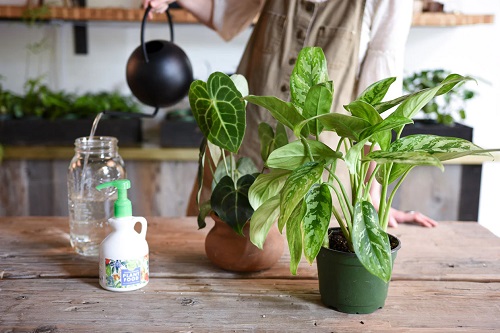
[[363, 41]]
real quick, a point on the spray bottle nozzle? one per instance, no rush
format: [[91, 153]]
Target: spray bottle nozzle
[[123, 206]]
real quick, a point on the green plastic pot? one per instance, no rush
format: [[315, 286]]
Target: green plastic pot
[[344, 283]]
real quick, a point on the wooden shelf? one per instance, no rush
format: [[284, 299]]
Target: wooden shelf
[[129, 153], [183, 16], [96, 14], [448, 20]]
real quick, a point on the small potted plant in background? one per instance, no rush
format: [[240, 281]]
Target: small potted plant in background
[[442, 114], [42, 116], [302, 179], [219, 110]]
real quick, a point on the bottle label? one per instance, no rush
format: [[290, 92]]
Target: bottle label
[[127, 273]]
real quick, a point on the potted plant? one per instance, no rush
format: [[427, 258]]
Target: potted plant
[[42, 116], [219, 111], [302, 178]]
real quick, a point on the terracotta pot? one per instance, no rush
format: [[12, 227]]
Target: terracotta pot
[[233, 252]]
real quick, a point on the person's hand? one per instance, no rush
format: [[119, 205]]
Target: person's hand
[[399, 216], [157, 6]]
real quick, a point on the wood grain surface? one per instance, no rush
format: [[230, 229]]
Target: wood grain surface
[[446, 279]]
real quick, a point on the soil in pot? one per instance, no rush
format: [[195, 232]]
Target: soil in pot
[[344, 284], [230, 251]]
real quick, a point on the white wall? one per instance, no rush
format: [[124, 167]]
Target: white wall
[[472, 50], [469, 50]]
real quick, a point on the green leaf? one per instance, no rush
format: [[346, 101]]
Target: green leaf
[[294, 154], [310, 69], [263, 219], [405, 157], [363, 110], [376, 92], [282, 111], [244, 166], [266, 186], [346, 126], [443, 148], [316, 220], [231, 203], [370, 242], [270, 141], [296, 187], [205, 209], [219, 111], [318, 101], [294, 235], [386, 125]]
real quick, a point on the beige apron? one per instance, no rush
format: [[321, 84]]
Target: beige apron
[[283, 29]]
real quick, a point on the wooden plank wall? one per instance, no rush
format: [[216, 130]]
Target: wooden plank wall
[[162, 188], [39, 188]]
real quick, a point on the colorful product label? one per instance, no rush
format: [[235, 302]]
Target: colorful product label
[[127, 273]]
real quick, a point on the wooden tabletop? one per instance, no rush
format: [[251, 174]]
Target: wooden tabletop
[[446, 279]]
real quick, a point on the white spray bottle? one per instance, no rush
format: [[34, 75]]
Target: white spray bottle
[[124, 253]]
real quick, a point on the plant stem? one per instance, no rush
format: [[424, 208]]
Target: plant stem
[[385, 220]]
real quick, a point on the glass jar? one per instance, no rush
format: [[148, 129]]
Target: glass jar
[[96, 161]]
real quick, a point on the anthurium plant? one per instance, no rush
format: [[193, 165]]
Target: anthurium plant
[[219, 109]]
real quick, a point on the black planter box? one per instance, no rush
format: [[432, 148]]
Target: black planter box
[[422, 126], [180, 134], [40, 132]]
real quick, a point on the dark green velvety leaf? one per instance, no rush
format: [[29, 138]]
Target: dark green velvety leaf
[[294, 155], [296, 187], [345, 126], [316, 220], [375, 93], [370, 242], [219, 110], [263, 219], [294, 235], [318, 101], [266, 186], [231, 203], [310, 69]]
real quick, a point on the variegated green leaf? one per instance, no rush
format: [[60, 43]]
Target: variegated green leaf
[[219, 111], [443, 148], [263, 219], [353, 155], [266, 186], [375, 93], [294, 235], [296, 186], [370, 242], [316, 220], [310, 69], [294, 155], [318, 101], [405, 157]]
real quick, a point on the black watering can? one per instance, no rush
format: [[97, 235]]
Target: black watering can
[[159, 72]]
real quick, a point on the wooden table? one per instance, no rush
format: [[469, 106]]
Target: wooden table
[[446, 279]]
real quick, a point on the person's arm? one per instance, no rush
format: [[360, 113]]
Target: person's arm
[[227, 17]]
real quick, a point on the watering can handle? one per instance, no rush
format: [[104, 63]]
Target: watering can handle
[[143, 27]]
